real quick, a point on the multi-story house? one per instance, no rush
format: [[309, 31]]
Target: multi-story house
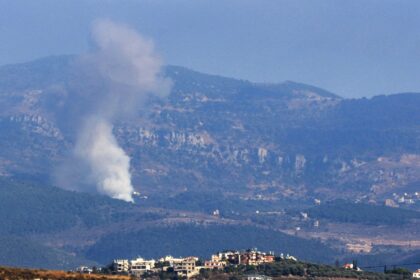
[[120, 265], [139, 266]]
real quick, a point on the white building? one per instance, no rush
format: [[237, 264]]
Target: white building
[[139, 266], [121, 265], [257, 277], [416, 274], [84, 269], [185, 267], [215, 264], [171, 260], [227, 256]]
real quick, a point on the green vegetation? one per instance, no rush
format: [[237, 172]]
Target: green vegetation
[[23, 252], [285, 268], [8, 273], [347, 212], [202, 241], [27, 209], [400, 271], [207, 202]]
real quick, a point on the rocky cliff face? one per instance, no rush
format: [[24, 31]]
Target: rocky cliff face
[[258, 141]]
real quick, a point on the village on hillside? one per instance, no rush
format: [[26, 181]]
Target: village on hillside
[[187, 267], [245, 261]]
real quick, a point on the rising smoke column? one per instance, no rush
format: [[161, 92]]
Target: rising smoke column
[[121, 73], [108, 163]]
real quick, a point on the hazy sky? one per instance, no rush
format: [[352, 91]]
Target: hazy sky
[[353, 48]]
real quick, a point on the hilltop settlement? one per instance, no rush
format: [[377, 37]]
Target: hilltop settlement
[[226, 265], [187, 267], [250, 264]]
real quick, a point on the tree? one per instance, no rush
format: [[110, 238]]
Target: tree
[[337, 264], [355, 264]]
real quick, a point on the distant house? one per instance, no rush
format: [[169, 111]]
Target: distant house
[[351, 266], [139, 266], [186, 267], [416, 274], [256, 277], [254, 257], [120, 265], [84, 269], [248, 257], [214, 264], [391, 203], [288, 257], [230, 257], [348, 266]]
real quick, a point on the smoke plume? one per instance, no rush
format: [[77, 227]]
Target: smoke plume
[[119, 74], [108, 163]]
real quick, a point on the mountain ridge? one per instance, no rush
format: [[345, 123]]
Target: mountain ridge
[[250, 151], [284, 122]]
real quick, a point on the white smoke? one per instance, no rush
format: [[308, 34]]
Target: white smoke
[[109, 165], [121, 73], [126, 58]]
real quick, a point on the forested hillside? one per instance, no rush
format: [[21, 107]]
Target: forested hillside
[[219, 155]]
